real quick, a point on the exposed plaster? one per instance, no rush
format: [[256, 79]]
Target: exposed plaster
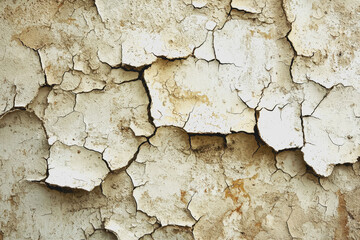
[[179, 120]]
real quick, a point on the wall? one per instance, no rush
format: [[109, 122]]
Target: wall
[[199, 119]]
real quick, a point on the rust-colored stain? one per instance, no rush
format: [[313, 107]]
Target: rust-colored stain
[[48, 68], [182, 197], [178, 94], [236, 190], [229, 194], [342, 231], [121, 126], [14, 199], [262, 34], [61, 4], [70, 20], [181, 94], [255, 176], [238, 209]]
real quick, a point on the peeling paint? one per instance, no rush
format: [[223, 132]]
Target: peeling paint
[[193, 119]]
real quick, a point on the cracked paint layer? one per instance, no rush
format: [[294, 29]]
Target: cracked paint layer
[[116, 121], [121, 216], [208, 105], [324, 35], [285, 123], [169, 29], [30, 209], [75, 167], [232, 191], [18, 88], [327, 144], [190, 119], [171, 233]]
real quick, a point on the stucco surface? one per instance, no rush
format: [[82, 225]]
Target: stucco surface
[[186, 119]]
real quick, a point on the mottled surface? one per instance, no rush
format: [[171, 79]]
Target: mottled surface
[[179, 120]]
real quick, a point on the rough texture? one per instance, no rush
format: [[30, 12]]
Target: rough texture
[[208, 105], [328, 144], [187, 119], [75, 167], [115, 118]]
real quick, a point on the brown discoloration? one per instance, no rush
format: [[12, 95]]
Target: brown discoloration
[[239, 186], [169, 170], [238, 209], [262, 34], [236, 190], [183, 196], [48, 68], [203, 144], [208, 148], [342, 231], [35, 37], [187, 95], [229, 194]]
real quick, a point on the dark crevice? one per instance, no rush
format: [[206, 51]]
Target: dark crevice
[[142, 78], [130, 161], [257, 135]]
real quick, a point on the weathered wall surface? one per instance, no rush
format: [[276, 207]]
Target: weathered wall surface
[[184, 119]]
